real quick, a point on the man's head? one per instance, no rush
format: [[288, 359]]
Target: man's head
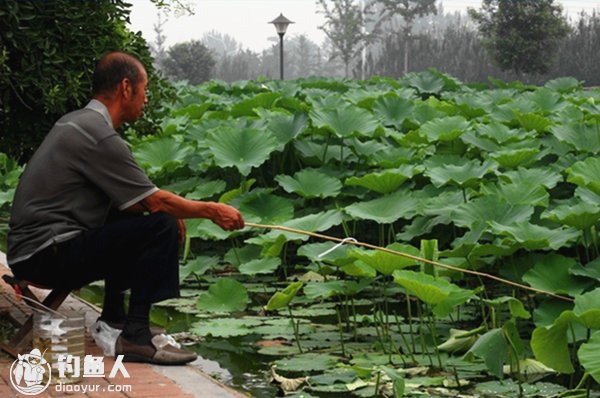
[[120, 79]]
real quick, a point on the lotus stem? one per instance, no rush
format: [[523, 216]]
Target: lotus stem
[[433, 332], [341, 329], [295, 327]]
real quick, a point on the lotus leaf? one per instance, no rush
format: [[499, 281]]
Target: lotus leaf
[[458, 341], [534, 122], [519, 194], [467, 175], [206, 189], [282, 299], [564, 84], [162, 154], [310, 183], [392, 110], [534, 237], [387, 209], [589, 355], [489, 208], [512, 158], [493, 349], [197, 266], [267, 208], [286, 127], [425, 82], [328, 289], [337, 257], [547, 101], [345, 121], [583, 137], [386, 181], [260, 266], [590, 270], [387, 263], [309, 362], [311, 223], [445, 129], [551, 273], [581, 216], [227, 295], [224, 327], [499, 132], [586, 173], [248, 106], [241, 148], [205, 229], [545, 177]]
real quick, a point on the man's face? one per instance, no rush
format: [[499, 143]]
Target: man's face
[[136, 100]]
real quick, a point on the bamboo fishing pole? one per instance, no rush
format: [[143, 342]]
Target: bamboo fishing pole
[[410, 256]]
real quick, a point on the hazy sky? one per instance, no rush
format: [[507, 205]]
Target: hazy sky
[[247, 20]]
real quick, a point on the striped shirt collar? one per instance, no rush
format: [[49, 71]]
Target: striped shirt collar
[[99, 107]]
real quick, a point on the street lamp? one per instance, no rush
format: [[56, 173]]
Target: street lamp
[[281, 23]]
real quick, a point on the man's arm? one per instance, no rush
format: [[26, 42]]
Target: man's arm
[[223, 215]]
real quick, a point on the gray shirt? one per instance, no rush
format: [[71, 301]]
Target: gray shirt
[[81, 169]]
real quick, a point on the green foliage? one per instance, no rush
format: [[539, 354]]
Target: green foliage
[[522, 35], [48, 51], [191, 61]]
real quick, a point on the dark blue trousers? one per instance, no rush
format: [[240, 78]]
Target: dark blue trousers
[[138, 253]]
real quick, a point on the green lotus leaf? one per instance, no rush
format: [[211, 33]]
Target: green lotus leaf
[[512, 158], [205, 229], [589, 356], [367, 149], [526, 194], [193, 111], [550, 344], [467, 175], [547, 101], [445, 129], [586, 174], [197, 266], [515, 306], [458, 341], [583, 137], [489, 208], [428, 289], [581, 216], [283, 298], [338, 257], [564, 84], [587, 308], [237, 256], [387, 263], [392, 110], [267, 208], [310, 183], [243, 148], [425, 82], [207, 189], [227, 295], [162, 154], [359, 269], [545, 177], [551, 273], [386, 181], [534, 122], [248, 106], [590, 270], [498, 132], [260, 266], [312, 223], [309, 362], [225, 327], [285, 127], [385, 210], [534, 237], [493, 349], [345, 121], [314, 290]]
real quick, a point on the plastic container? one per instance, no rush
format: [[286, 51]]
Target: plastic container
[[61, 340]]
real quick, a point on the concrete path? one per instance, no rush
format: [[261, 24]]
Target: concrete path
[[145, 381]]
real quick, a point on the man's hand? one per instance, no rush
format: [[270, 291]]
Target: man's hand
[[227, 217]]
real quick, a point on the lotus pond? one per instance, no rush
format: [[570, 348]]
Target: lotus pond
[[501, 178]]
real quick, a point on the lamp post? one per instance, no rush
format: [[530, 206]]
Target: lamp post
[[281, 23]]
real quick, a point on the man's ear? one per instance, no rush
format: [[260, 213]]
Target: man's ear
[[126, 88]]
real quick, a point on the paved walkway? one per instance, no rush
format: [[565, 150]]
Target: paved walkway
[[145, 380]]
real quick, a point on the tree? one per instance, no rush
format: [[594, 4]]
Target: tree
[[345, 28], [48, 51], [408, 10], [521, 35], [191, 61]]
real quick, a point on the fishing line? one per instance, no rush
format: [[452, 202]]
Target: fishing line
[[354, 242]]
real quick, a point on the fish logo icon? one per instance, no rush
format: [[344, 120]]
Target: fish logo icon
[[27, 373]]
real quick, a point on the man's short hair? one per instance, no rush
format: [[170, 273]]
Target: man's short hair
[[112, 69]]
